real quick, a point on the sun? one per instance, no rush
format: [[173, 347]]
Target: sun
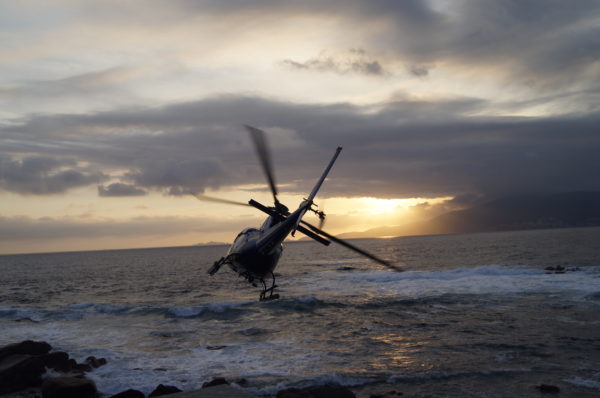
[[382, 206]]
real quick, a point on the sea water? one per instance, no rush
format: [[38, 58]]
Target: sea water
[[471, 315]]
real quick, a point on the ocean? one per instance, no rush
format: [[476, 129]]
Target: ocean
[[473, 315]]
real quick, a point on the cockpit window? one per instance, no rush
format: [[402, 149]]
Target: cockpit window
[[242, 238]]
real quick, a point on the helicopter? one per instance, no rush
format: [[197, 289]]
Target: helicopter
[[255, 252]]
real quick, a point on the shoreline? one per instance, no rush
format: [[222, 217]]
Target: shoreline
[[525, 383]]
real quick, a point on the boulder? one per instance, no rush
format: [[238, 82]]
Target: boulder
[[69, 387], [83, 367], [58, 361], [27, 347], [129, 394], [164, 390], [389, 394], [20, 371], [547, 388], [95, 362], [330, 392], [326, 391], [216, 381], [293, 393]]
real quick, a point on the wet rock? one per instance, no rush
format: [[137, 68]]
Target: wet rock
[[25, 319], [559, 269], [330, 392], [293, 393], [129, 394], [547, 388], [215, 347], [216, 381], [27, 347], [317, 392], [164, 390], [58, 361], [82, 367], [20, 371], [69, 387], [95, 362], [389, 394]]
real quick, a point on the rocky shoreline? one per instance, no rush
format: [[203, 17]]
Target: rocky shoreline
[[31, 369]]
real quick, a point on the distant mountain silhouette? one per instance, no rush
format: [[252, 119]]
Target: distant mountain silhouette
[[572, 209]]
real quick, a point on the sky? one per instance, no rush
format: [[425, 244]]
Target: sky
[[112, 112]]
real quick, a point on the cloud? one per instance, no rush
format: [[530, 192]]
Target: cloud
[[419, 70], [43, 175], [542, 44], [119, 189], [354, 61], [19, 228], [401, 148]]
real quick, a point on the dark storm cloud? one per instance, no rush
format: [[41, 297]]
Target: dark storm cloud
[[42, 175], [398, 149], [118, 189]]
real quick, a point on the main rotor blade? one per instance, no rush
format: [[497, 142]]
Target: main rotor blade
[[264, 155], [352, 247], [218, 200]]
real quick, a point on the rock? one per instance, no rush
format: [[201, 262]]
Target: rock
[[95, 362], [25, 319], [330, 392], [58, 361], [389, 394], [26, 347], [215, 347], [69, 387], [317, 392], [216, 381], [83, 367], [547, 388], [164, 390], [129, 394], [293, 393], [20, 371]]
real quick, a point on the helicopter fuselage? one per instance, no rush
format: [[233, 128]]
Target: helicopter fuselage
[[245, 258], [255, 252]]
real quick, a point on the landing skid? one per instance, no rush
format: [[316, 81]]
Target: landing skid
[[271, 296]]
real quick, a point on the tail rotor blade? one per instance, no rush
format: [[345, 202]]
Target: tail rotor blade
[[264, 155], [352, 247]]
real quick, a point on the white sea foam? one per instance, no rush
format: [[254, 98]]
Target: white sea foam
[[578, 381], [303, 382], [219, 307], [490, 279], [141, 371]]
